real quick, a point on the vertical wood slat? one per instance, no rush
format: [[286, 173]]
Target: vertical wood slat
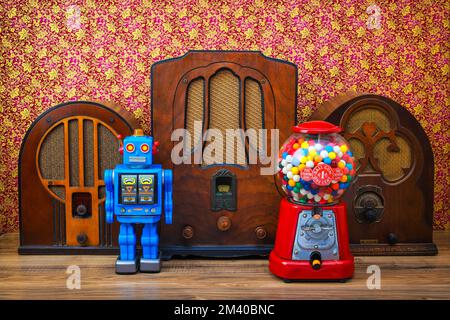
[[66, 153], [96, 151], [95, 199], [80, 152]]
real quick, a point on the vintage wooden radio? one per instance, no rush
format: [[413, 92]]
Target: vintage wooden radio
[[221, 208], [391, 200], [61, 188]]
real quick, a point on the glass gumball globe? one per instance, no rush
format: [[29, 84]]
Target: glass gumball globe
[[315, 164]]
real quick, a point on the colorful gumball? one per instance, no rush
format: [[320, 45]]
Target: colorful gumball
[[315, 168]]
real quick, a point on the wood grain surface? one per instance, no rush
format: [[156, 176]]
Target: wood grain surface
[[44, 277]]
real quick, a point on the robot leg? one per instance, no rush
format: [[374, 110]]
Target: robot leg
[[150, 261], [127, 262]]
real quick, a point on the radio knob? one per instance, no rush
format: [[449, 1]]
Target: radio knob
[[261, 233], [81, 210], [369, 206], [188, 232], [82, 239], [392, 238], [223, 223]]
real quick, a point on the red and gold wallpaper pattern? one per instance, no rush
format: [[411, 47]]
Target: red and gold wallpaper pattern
[[55, 51]]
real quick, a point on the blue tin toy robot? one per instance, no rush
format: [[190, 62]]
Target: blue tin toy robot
[[135, 191]]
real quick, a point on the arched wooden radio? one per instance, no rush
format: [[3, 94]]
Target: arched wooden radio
[[61, 188], [390, 203], [224, 208]]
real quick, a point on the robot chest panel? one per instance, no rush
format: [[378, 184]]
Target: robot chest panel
[[316, 234], [138, 189]]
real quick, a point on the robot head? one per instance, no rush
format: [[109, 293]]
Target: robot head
[[137, 149]]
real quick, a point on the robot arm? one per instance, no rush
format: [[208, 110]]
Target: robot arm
[[168, 196], [109, 203]]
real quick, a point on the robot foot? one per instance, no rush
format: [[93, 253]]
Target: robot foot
[[150, 265], [126, 267]]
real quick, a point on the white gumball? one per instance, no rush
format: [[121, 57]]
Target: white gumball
[[326, 196], [318, 146], [310, 164], [303, 191], [284, 162], [285, 170], [296, 178], [288, 158], [290, 175], [336, 149], [288, 166], [317, 198], [324, 154], [310, 196]]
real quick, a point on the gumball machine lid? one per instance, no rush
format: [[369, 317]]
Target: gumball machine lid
[[316, 127]]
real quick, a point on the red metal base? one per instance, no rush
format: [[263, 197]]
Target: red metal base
[[280, 259], [302, 270]]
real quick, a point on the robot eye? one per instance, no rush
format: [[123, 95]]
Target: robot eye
[[130, 147], [145, 148]]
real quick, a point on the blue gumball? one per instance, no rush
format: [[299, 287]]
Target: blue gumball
[[284, 155], [289, 187], [327, 161], [329, 148], [295, 161], [349, 166]]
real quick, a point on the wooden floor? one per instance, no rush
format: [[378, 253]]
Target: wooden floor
[[44, 277]]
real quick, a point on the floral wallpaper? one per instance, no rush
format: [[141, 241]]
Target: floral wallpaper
[[55, 51]]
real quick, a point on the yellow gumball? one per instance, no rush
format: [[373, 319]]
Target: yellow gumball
[[303, 159], [331, 155], [344, 148], [341, 164], [301, 167], [291, 183], [317, 158], [294, 170], [310, 158], [295, 146], [305, 145], [344, 178], [312, 152]]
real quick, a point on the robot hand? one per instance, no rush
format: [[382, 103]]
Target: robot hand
[[109, 203], [168, 207]]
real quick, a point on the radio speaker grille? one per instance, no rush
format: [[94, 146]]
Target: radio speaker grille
[[51, 157], [195, 107], [224, 112]]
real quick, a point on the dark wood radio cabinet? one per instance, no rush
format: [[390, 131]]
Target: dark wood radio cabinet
[[221, 209], [390, 203]]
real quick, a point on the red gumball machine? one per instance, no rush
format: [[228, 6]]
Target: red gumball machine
[[315, 166]]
